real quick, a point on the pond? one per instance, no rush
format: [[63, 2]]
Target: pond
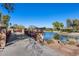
[[50, 36]]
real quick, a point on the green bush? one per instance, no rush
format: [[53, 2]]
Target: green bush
[[56, 37], [68, 30], [75, 30]]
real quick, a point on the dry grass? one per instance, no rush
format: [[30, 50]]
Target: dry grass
[[49, 41], [68, 49]]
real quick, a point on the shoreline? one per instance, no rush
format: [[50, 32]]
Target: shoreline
[[72, 34], [67, 50]]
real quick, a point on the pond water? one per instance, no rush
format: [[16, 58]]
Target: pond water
[[50, 35]]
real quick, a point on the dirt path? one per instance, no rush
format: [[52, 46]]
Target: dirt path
[[27, 48]]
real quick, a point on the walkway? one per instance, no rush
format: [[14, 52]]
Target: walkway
[[24, 47]]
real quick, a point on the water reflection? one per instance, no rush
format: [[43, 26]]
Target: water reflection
[[48, 35], [62, 38]]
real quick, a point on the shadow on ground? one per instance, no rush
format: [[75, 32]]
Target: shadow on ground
[[14, 38]]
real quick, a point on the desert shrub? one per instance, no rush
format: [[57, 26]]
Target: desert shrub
[[75, 30], [56, 36], [68, 30], [71, 42], [49, 41]]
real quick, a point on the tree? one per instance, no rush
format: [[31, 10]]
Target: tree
[[76, 24], [5, 20], [69, 23], [16, 26], [10, 24], [21, 27], [61, 25], [31, 27], [8, 6], [0, 15], [57, 25]]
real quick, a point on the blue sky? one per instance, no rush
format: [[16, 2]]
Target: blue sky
[[42, 14]]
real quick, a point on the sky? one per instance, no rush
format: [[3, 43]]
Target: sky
[[42, 14]]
